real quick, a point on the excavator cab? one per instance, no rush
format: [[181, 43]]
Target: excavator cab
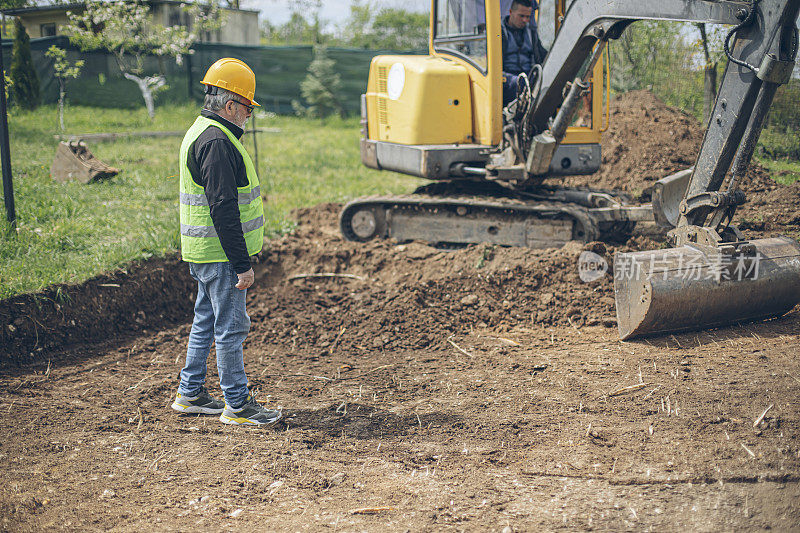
[[431, 116]]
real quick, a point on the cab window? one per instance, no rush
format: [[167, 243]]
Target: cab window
[[461, 30]]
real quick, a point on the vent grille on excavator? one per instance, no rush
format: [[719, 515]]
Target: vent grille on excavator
[[382, 77], [383, 115]]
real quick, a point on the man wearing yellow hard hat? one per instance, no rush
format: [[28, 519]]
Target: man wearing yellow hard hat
[[222, 225]]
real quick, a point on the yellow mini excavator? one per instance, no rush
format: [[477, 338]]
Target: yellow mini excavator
[[440, 117]]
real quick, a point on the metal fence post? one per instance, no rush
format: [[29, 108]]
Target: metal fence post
[[5, 151], [255, 140]]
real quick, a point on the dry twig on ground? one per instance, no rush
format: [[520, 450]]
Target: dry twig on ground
[[459, 348], [324, 275], [760, 418], [629, 388], [371, 510], [748, 450]]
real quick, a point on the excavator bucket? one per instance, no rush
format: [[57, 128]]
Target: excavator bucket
[[667, 195], [73, 160], [691, 288]]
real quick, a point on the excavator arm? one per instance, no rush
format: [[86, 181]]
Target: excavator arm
[[712, 276], [588, 23], [762, 58]]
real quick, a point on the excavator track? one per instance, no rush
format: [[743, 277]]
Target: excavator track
[[447, 219]]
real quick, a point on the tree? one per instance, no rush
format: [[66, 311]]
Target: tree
[[303, 27], [63, 71], [386, 29], [357, 30], [313, 7], [711, 42], [9, 83], [25, 82], [646, 49], [398, 29], [297, 30], [12, 4], [126, 30], [320, 87], [366, 27], [655, 55]]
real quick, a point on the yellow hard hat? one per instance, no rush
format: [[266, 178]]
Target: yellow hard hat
[[233, 75]]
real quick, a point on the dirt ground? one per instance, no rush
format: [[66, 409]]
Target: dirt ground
[[477, 389]]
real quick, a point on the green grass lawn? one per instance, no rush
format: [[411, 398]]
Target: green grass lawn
[[69, 232], [783, 171]]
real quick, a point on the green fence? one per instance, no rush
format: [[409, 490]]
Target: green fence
[[279, 70]]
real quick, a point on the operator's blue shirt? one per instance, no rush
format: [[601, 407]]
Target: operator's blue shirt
[[522, 49]]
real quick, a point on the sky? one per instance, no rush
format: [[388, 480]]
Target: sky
[[334, 12]]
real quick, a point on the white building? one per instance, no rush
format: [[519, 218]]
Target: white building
[[240, 26]]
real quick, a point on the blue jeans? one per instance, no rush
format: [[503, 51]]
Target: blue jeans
[[219, 315], [510, 87]]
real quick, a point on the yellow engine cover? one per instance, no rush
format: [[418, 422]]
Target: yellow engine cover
[[418, 100]]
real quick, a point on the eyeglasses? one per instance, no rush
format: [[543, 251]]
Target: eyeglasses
[[249, 107]]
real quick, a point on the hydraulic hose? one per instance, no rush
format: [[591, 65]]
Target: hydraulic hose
[[747, 20]]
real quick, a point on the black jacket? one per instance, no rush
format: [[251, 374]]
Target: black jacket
[[218, 167]]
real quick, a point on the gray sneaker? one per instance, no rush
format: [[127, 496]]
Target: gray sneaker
[[251, 413], [202, 404]]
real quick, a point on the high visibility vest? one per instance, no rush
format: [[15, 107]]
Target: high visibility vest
[[199, 240]]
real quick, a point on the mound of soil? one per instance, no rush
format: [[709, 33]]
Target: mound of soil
[[146, 295], [414, 295], [646, 141], [771, 208], [381, 293]]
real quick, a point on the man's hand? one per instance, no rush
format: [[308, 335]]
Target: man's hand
[[246, 279]]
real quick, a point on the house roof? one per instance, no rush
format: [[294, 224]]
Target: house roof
[[40, 9], [54, 8]]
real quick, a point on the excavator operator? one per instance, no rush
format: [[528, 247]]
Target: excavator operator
[[522, 48]]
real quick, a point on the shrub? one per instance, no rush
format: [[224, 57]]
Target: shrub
[[320, 88], [24, 80]]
